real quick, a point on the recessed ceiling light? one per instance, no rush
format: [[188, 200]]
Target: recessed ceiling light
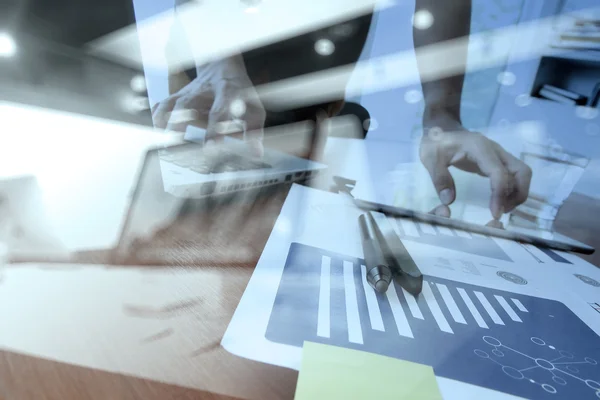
[[423, 19], [138, 84], [324, 47], [237, 108], [8, 47], [506, 78]]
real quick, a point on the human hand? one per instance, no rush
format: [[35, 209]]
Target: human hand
[[447, 143], [221, 99]]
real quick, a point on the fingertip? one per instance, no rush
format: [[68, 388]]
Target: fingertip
[[497, 209], [441, 211], [495, 224], [447, 196]]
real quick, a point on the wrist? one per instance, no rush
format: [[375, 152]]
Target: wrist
[[231, 67], [442, 118]]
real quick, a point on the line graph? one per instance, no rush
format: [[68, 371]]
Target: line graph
[[558, 372]]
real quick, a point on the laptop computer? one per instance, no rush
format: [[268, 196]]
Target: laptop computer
[[192, 171], [161, 226], [170, 221]]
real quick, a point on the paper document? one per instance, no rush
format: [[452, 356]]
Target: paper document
[[485, 322], [329, 372]]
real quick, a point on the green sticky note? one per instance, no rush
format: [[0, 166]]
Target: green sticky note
[[331, 373]]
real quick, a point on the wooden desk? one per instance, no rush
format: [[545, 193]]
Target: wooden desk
[[90, 331], [219, 374], [164, 324]]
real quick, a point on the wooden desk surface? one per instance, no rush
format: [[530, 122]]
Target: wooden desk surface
[[85, 331], [97, 332], [210, 369]]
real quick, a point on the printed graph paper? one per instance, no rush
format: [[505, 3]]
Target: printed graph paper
[[513, 343]]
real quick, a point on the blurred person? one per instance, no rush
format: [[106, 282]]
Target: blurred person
[[212, 88]]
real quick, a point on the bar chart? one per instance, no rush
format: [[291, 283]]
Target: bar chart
[[487, 337]]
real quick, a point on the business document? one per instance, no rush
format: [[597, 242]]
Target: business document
[[483, 322]]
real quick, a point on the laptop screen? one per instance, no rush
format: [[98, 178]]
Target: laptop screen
[[162, 229]]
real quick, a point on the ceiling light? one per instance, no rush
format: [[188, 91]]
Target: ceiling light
[[138, 84], [324, 47], [237, 108], [506, 78], [423, 19], [8, 47]]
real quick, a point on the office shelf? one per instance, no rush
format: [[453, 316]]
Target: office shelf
[[577, 71], [585, 56]]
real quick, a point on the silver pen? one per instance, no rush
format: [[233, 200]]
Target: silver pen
[[379, 274], [405, 269]]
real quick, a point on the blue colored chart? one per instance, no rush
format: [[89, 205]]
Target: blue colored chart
[[517, 344]]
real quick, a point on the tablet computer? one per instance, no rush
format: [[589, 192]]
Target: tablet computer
[[536, 237]]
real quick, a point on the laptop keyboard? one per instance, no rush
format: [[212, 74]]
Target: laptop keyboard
[[225, 161]]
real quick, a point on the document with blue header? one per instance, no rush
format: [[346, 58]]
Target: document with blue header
[[488, 321]]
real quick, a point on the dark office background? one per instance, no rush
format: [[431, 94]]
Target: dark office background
[[51, 68]]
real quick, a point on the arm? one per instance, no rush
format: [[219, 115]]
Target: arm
[[445, 141], [177, 81], [210, 95], [452, 20]]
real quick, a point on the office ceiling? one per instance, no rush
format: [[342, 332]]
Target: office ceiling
[[68, 22]]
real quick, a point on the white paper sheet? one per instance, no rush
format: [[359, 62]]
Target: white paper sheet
[[328, 222]]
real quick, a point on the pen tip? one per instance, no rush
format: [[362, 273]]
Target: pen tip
[[381, 286]]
